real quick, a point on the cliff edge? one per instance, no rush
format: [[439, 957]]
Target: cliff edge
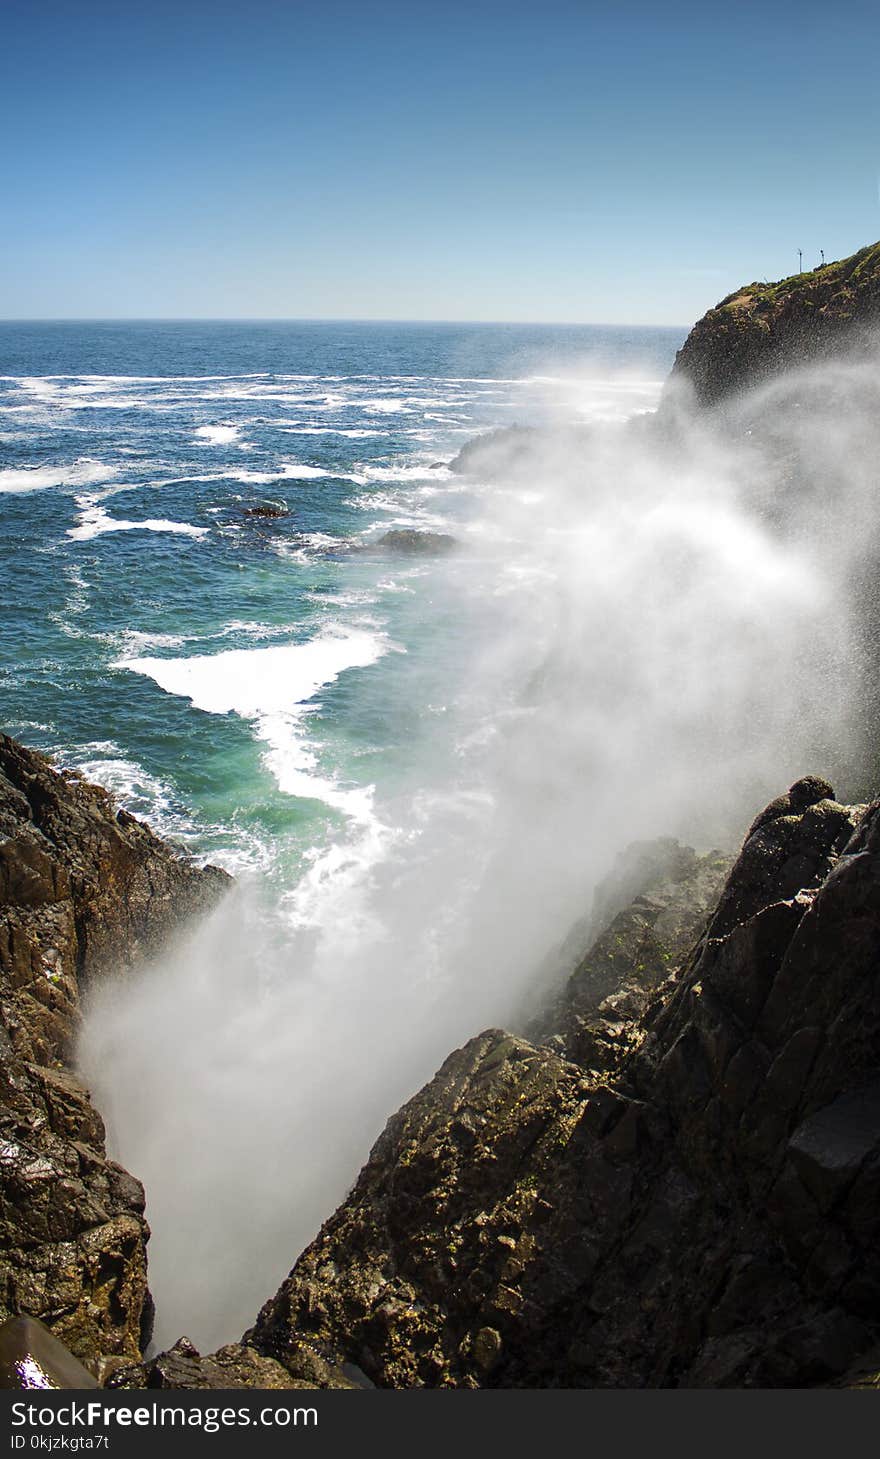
[[765, 327]]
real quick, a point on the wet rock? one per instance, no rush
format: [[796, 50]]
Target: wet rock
[[648, 913], [519, 452], [700, 1209], [807, 791], [790, 847], [32, 1357], [85, 891], [679, 1186], [497, 452], [446, 1233], [234, 1366]]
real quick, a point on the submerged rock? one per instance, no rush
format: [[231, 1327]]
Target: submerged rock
[[86, 891], [270, 510]]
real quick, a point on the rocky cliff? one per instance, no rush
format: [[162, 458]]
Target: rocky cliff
[[672, 1181], [763, 328], [700, 1210], [86, 891]]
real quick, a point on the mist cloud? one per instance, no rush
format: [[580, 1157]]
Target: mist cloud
[[666, 627]]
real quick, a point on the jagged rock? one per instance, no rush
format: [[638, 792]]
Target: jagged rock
[[864, 1372], [125, 888], [696, 1202], [704, 1212], [807, 791], [764, 328], [517, 452], [499, 452], [789, 848], [650, 910], [234, 1366], [437, 1242], [85, 891]]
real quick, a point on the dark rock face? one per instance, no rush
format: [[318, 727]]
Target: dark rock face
[[658, 900], [85, 892], [702, 1210], [764, 328], [233, 1366]]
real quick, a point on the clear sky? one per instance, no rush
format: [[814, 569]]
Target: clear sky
[[553, 160]]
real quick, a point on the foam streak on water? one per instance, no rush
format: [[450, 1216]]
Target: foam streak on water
[[271, 688]]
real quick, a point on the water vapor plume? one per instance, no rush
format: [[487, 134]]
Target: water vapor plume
[[653, 628]]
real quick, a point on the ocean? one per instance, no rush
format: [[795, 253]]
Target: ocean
[[200, 614], [250, 684]]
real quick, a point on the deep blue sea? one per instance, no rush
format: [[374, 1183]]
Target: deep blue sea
[[417, 767], [242, 680]]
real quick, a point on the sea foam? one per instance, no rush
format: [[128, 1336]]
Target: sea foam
[[272, 687], [95, 522], [83, 472], [217, 435]]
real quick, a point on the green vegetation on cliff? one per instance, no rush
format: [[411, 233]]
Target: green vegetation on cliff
[[762, 328]]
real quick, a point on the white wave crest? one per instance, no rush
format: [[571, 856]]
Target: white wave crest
[[272, 687], [95, 522], [217, 435], [37, 478], [354, 435]]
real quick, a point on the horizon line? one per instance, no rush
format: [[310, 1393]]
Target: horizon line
[[321, 319]]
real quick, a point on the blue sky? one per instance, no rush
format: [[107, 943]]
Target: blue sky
[[556, 160]]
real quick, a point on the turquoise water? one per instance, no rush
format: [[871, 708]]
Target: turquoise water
[[130, 455]]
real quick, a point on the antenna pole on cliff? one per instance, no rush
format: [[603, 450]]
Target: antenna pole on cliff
[[800, 260]]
